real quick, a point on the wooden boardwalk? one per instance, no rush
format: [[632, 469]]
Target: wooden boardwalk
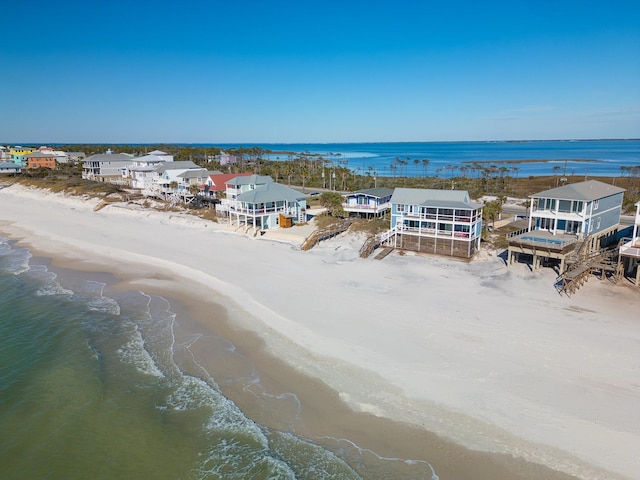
[[383, 253], [325, 233]]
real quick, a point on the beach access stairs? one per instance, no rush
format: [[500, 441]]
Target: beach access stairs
[[374, 241], [325, 233], [582, 264]]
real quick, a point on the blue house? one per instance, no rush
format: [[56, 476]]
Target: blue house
[[582, 215], [444, 222], [368, 203]]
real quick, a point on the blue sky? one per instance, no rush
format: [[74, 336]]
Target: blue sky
[[318, 71]]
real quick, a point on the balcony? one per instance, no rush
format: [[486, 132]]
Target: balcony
[[631, 248]]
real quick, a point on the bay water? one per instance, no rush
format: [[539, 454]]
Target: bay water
[[520, 158]]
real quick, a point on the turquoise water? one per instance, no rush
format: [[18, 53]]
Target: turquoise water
[[91, 388], [608, 156]]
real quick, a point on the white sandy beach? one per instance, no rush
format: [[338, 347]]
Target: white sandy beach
[[489, 357]]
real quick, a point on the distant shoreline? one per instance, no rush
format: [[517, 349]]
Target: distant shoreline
[[549, 160]]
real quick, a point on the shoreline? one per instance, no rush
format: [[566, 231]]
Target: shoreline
[[312, 349]]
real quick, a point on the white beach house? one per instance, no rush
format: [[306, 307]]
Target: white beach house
[[140, 173], [368, 203], [169, 182], [582, 215], [444, 222]]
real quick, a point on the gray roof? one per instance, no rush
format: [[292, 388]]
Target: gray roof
[[186, 165], [194, 173], [9, 166], [110, 157], [39, 155], [250, 180], [584, 191], [271, 192], [374, 192], [424, 196]]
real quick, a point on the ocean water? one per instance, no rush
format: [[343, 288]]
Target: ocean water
[[92, 387], [605, 156]]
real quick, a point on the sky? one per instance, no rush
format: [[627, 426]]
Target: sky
[[318, 71]]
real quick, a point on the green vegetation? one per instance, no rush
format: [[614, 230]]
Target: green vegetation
[[330, 172]]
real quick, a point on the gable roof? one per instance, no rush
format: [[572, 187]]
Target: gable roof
[[40, 155], [110, 157], [250, 180], [185, 165], [271, 192], [373, 192], [220, 179], [194, 173], [433, 198], [9, 166], [584, 191]]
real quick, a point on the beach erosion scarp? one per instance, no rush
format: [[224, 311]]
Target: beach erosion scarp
[[487, 356]]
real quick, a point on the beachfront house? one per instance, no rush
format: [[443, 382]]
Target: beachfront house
[[444, 222], [37, 160], [629, 255], [140, 173], [7, 167], [580, 217], [168, 181], [106, 167], [18, 154], [257, 202], [368, 203], [216, 184]]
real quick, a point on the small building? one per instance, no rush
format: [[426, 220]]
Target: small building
[[580, 217], [629, 255], [7, 167], [368, 203], [444, 222], [37, 160]]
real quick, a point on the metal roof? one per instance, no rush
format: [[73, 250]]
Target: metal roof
[[250, 180], [186, 165], [585, 191], [271, 192], [373, 192], [110, 157], [431, 197]]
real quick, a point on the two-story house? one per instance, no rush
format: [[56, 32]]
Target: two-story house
[[106, 167], [368, 203], [582, 215], [444, 222], [216, 184], [37, 160], [259, 202]]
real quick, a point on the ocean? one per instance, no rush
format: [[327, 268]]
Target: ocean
[[522, 159], [96, 384]]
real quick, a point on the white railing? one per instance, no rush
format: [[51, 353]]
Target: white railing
[[631, 248]]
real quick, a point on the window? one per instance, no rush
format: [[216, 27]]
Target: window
[[400, 208], [595, 204]]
